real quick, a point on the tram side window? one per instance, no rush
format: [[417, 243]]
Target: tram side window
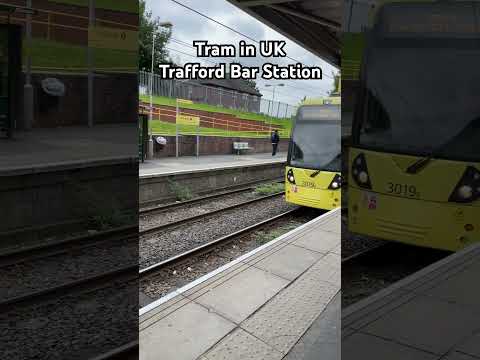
[[376, 118]]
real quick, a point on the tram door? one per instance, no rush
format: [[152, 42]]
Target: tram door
[[10, 77]]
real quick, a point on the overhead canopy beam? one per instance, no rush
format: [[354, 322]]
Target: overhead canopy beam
[[318, 20], [251, 3], [313, 24]]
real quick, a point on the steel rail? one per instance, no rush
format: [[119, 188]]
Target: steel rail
[[208, 247], [159, 228]]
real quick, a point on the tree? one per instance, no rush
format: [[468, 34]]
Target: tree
[[250, 82], [148, 27]]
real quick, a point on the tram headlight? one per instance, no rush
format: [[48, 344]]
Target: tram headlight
[[360, 172], [336, 182], [291, 177], [468, 188]]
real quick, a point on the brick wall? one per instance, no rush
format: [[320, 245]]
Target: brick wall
[[213, 145], [111, 105]]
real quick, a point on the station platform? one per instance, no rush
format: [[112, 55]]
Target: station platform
[[52, 149], [280, 301], [431, 315], [186, 164]]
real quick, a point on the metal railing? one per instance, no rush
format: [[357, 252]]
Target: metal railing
[[210, 125], [213, 96]]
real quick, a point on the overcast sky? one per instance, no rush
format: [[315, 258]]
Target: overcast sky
[[188, 26]]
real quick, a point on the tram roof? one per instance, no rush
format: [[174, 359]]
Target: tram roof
[[313, 24]]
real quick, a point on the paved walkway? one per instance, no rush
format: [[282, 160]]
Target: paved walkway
[[431, 315], [174, 165], [279, 300], [47, 149]]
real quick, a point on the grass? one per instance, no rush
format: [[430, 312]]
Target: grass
[[117, 5], [182, 193], [269, 189], [266, 236], [56, 55], [162, 100], [169, 129]]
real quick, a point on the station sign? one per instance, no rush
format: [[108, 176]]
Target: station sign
[[184, 101], [188, 120], [110, 38]]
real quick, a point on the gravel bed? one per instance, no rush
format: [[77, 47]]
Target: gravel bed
[[172, 278], [353, 243], [22, 243], [147, 206], [36, 274], [203, 207], [386, 265], [161, 246], [73, 327]]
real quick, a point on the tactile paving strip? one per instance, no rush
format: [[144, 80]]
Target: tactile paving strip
[[240, 345], [282, 321]]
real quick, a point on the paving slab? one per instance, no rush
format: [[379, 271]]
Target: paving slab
[[240, 345], [434, 312], [61, 148], [289, 262], [319, 240], [322, 339], [453, 288], [365, 346], [284, 319], [425, 323], [192, 331], [471, 345], [245, 293], [459, 356]]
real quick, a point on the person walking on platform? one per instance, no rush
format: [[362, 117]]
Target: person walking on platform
[[275, 140]]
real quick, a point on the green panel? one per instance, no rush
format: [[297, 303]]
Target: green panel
[[52, 55], [353, 45], [4, 59], [130, 6]]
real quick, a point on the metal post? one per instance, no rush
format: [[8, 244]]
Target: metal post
[[91, 23], [176, 131], [198, 140], [150, 139], [28, 88]]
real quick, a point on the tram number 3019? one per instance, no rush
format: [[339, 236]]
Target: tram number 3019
[[402, 189]]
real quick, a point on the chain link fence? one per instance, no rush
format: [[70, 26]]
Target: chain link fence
[[213, 96]]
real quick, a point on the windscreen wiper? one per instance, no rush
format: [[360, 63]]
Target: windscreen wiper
[[312, 175], [326, 166], [421, 163]]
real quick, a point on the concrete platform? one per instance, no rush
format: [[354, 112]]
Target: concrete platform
[[53, 181], [186, 164], [159, 179], [431, 315], [279, 300], [41, 150]]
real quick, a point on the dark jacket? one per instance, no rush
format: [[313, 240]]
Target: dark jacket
[[275, 138]]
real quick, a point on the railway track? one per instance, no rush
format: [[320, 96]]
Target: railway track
[[125, 352], [148, 208], [17, 255], [159, 228], [210, 246], [374, 269], [69, 289]]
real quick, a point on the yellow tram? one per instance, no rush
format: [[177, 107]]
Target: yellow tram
[[414, 166], [313, 172]]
